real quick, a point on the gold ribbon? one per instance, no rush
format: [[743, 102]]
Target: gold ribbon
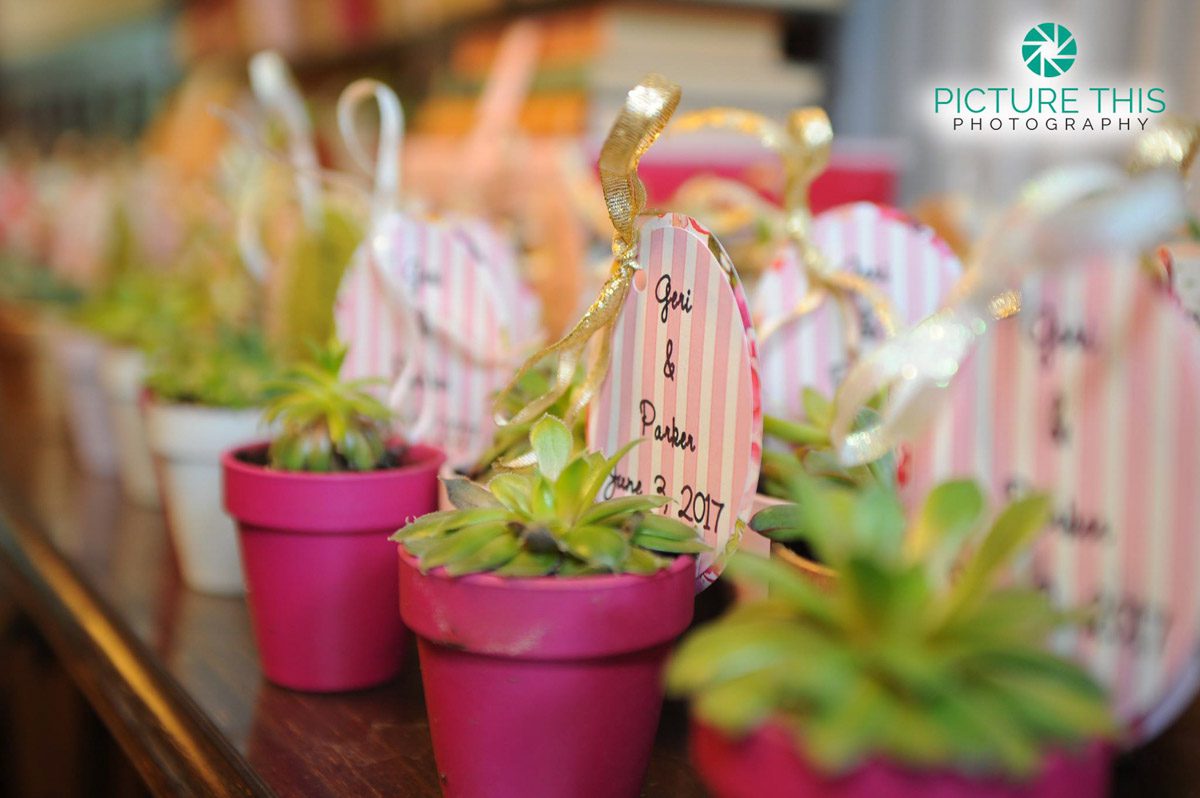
[[803, 145], [1171, 145], [648, 107]]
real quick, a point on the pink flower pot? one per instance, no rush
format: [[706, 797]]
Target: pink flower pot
[[767, 764], [544, 687], [320, 570]]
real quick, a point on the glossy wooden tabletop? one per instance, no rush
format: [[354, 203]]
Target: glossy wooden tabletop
[[175, 674]]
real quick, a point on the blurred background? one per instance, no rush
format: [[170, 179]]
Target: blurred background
[[107, 68]]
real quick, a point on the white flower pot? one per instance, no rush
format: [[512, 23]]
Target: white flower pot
[[121, 372], [187, 440], [77, 355]]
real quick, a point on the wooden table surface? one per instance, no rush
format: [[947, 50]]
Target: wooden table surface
[[174, 674]]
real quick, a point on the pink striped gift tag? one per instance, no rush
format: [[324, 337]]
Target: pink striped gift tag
[[466, 349], [906, 260], [519, 305], [684, 377], [1090, 394]]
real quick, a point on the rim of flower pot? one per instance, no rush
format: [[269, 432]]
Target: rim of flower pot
[[722, 759], [195, 432], [325, 502], [588, 582], [547, 617], [429, 455]]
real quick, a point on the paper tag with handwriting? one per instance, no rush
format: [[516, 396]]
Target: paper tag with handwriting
[[907, 261], [464, 349], [519, 305], [1090, 395], [684, 377]]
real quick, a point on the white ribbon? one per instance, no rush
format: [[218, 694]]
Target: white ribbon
[[276, 91], [385, 168], [386, 163], [1061, 220]]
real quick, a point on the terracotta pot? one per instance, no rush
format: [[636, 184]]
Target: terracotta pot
[[544, 687], [187, 441], [320, 570], [767, 764], [121, 373]]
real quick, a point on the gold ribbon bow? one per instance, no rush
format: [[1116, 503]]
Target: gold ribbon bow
[[647, 108], [803, 145]]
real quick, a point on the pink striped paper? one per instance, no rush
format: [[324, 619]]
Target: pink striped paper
[[906, 260], [698, 406], [466, 349], [1090, 394], [519, 305]]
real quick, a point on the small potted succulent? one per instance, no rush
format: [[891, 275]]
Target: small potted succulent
[[805, 448], [126, 317], [915, 673], [138, 306], [206, 396], [510, 443], [314, 508], [543, 619]]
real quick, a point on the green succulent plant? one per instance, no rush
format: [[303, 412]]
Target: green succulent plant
[[810, 446], [326, 423], [226, 368], [134, 309], [302, 310], [548, 522], [511, 441], [914, 654]]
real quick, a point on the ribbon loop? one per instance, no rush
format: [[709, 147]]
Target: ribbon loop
[[804, 146], [648, 107], [385, 166], [276, 91]]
